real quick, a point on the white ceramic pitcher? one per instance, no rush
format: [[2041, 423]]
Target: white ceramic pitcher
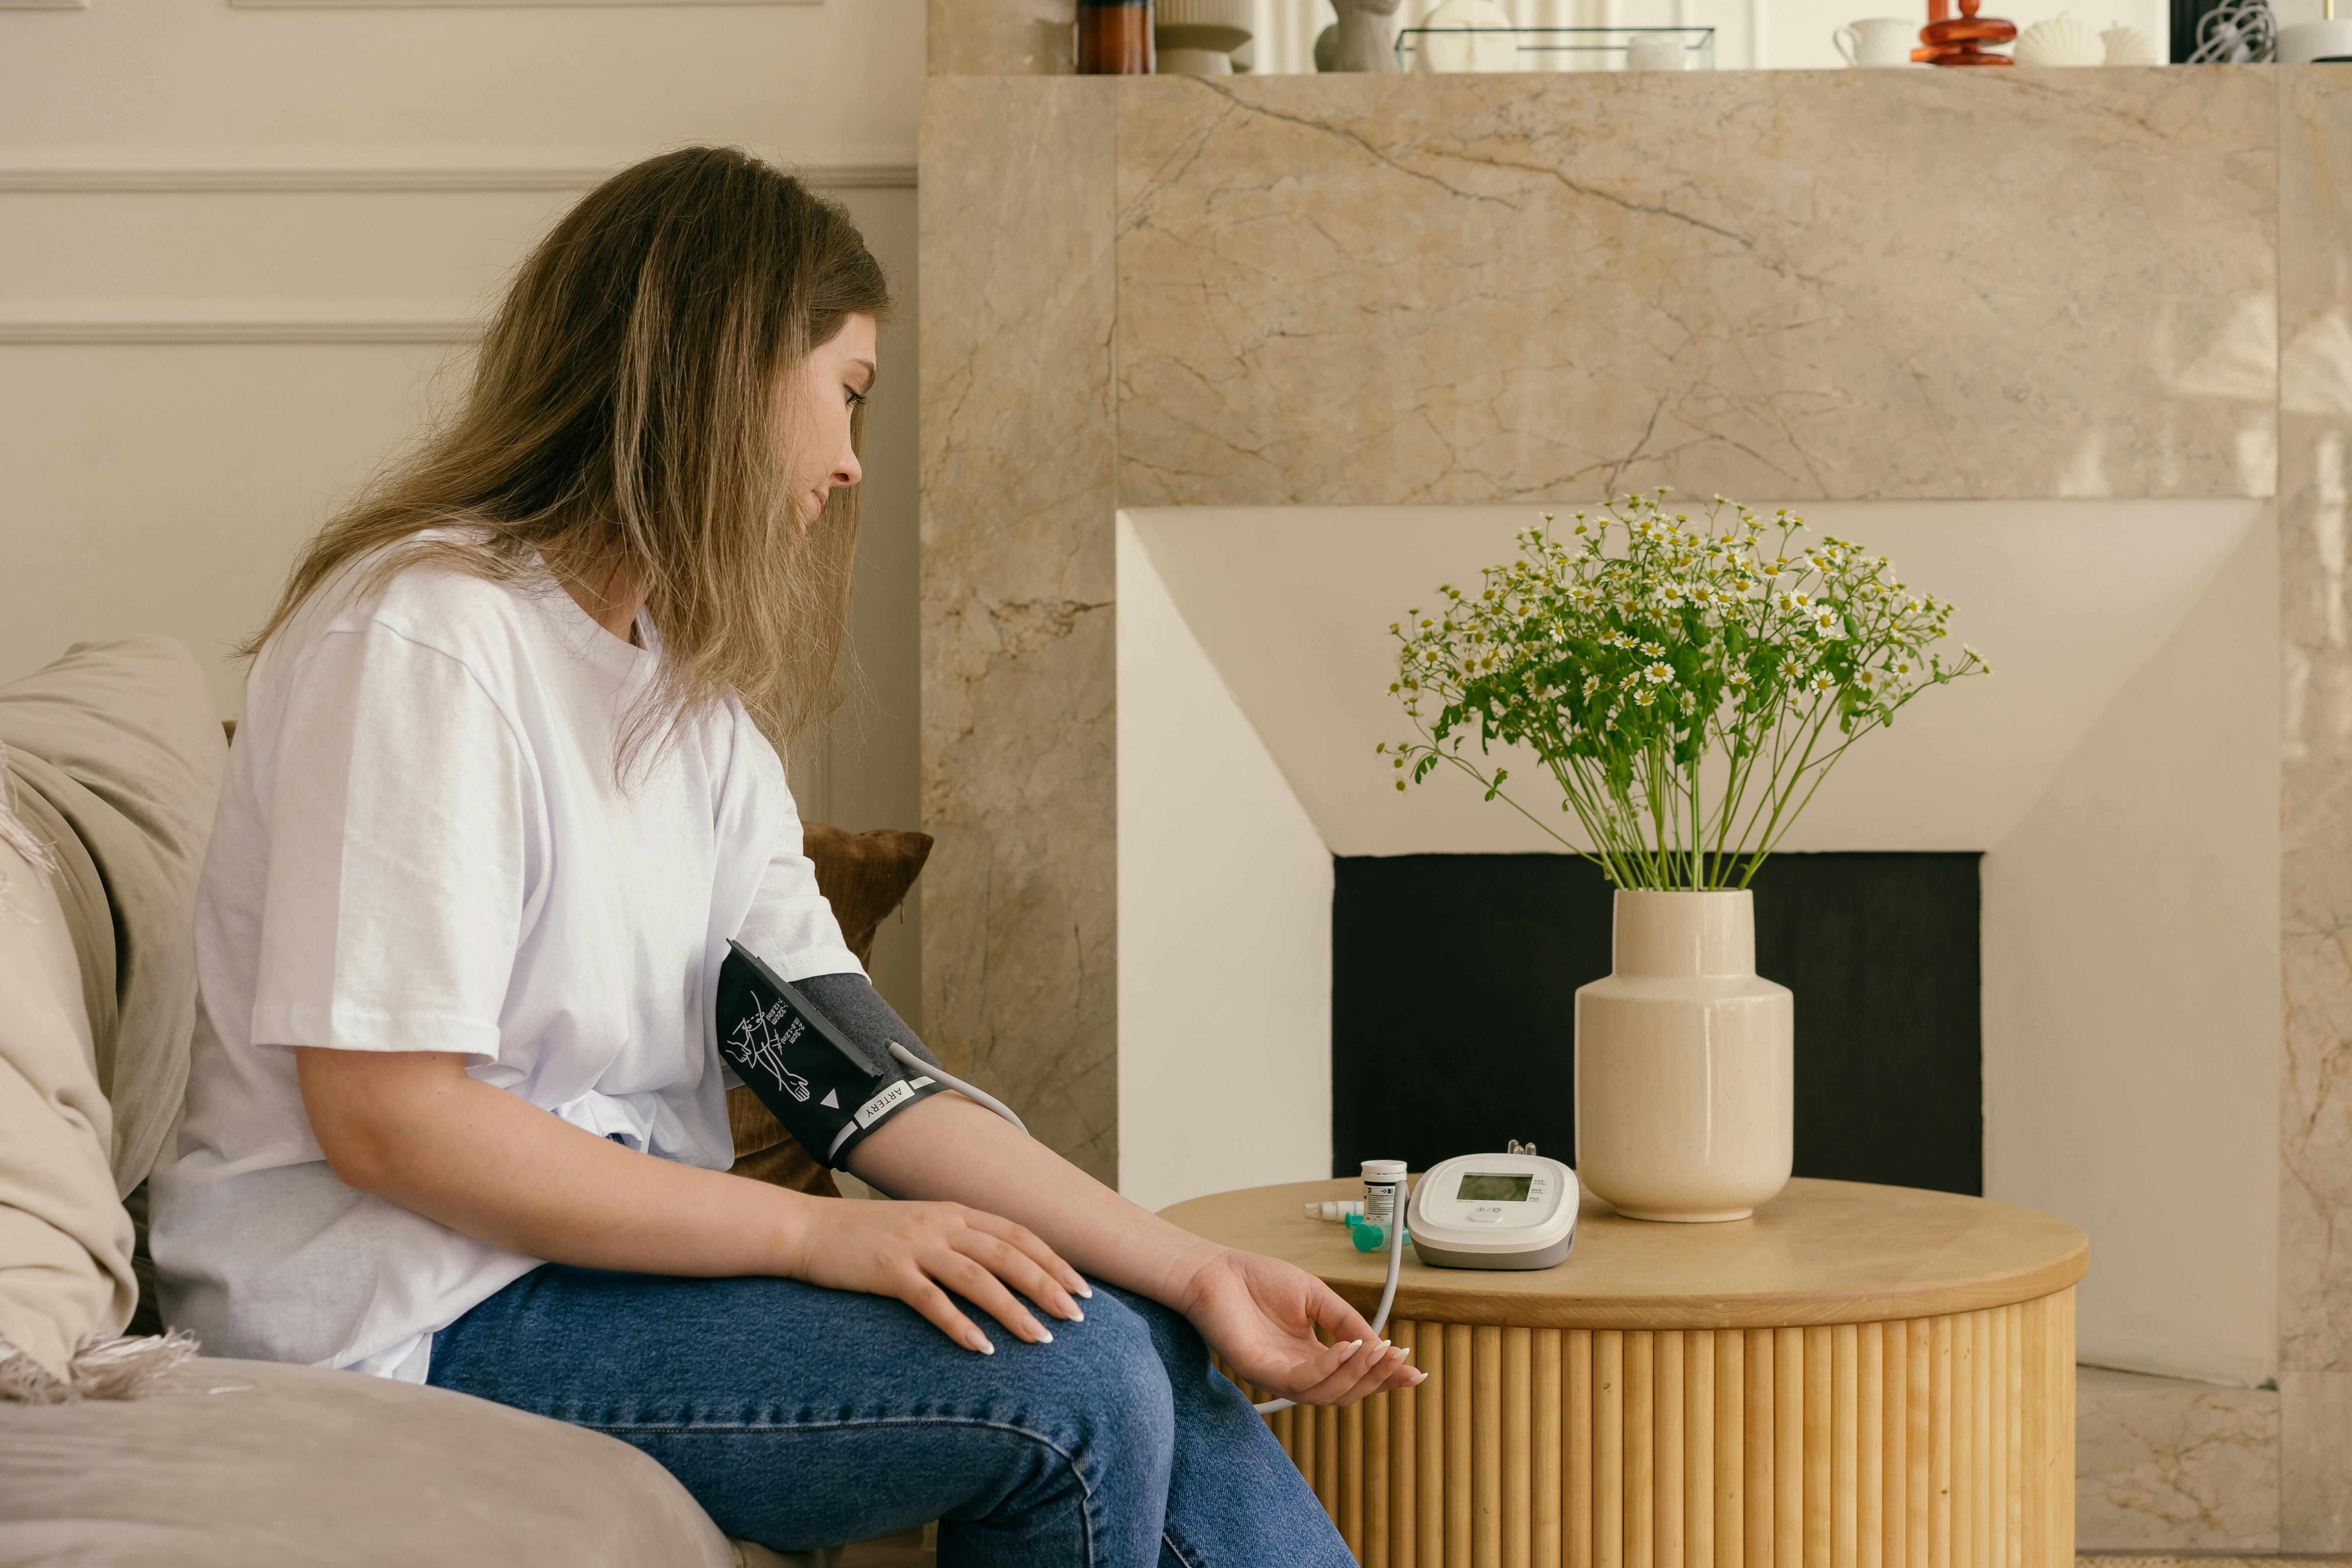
[[1877, 41]]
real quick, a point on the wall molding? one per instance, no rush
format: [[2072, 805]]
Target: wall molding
[[474, 5], [71, 179], [194, 329], [197, 326]]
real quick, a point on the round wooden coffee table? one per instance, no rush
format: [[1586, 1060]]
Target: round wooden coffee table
[[1857, 1377]]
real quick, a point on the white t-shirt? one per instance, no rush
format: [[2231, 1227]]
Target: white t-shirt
[[421, 846]]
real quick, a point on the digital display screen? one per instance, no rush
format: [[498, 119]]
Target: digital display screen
[[1492, 1186]]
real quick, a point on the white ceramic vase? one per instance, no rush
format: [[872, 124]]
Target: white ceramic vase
[[1685, 1075]]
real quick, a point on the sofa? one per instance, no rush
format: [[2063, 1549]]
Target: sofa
[[112, 759]]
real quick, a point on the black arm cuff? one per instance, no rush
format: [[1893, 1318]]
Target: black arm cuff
[[817, 1053]]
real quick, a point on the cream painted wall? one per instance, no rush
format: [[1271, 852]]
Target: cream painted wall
[[837, 82], [1224, 925], [2131, 993], [240, 255]]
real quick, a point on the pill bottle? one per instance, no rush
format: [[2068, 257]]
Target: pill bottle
[[1383, 1202]]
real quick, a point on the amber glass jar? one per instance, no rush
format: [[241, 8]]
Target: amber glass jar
[[1115, 38]]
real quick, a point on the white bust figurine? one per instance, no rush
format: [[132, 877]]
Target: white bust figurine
[[1363, 42]]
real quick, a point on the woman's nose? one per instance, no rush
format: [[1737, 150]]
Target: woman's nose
[[847, 472]]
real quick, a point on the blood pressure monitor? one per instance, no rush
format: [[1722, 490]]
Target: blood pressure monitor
[[1493, 1211]]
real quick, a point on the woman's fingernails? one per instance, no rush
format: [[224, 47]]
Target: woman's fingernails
[[1044, 1335], [984, 1347], [1085, 1289], [1419, 1378]]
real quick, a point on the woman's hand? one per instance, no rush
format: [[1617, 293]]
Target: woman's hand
[[1261, 1314], [919, 1252]]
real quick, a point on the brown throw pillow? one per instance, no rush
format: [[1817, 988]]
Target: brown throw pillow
[[864, 877]]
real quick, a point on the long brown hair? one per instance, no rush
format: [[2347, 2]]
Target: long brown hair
[[621, 417]]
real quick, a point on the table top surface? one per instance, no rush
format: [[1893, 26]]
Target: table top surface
[[1822, 1252]]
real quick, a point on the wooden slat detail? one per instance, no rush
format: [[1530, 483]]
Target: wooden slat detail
[[1789, 1447], [1352, 1478], [1870, 1446], [1820, 1444], [1404, 1450], [1327, 1460], [1608, 1448], [1461, 1497], [1429, 1446], [1576, 1485], [1731, 1448], [1895, 1531], [1698, 1448], [1517, 1458], [1762, 1488], [1640, 1417], [1929, 1443], [1487, 1446], [1940, 1444], [1665, 1489], [1919, 1475], [1547, 1459], [1845, 1460]]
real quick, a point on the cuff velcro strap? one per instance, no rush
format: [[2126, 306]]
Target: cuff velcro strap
[[830, 1091]]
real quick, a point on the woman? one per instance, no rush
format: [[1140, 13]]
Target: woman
[[499, 800]]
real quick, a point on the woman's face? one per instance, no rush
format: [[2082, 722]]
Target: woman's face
[[834, 379]]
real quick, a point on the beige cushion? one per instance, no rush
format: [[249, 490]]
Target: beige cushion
[[236, 1464], [120, 739], [65, 1240]]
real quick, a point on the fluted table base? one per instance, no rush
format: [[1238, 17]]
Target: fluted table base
[[1938, 1442]]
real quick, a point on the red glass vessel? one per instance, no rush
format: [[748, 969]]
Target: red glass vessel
[[1115, 38]]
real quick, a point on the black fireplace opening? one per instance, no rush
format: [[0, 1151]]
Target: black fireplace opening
[[1453, 985]]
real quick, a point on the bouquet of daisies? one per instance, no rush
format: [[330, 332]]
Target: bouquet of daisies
[[1688, 683]]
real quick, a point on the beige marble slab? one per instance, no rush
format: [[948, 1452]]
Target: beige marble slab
[[2160, 1463], [1019, 982], [2315, 1433], [2315, 1101], [1385, 290], [1001, 37]]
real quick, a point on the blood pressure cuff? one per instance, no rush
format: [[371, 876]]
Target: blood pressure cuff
[[817, 1053]]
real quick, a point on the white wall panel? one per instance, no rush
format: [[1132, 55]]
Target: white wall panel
[[243, 254], [1224, 925]]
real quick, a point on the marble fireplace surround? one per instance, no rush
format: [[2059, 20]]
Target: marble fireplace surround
[[1252, 668], [1896, 286]]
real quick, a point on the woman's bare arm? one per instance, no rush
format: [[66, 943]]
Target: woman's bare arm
[[412, 1126], [1260, 1314]]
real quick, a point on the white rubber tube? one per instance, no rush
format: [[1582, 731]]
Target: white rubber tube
[[918, 1067], [1388, 1291]]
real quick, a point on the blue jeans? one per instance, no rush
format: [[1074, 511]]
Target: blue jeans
[[800, 1417]]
